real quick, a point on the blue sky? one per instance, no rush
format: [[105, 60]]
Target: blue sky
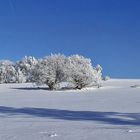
[[107, 31]]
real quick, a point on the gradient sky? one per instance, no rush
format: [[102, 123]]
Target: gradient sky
[[107, 31]]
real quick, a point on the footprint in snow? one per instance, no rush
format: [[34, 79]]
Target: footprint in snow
[[53, 135], [49, 134]]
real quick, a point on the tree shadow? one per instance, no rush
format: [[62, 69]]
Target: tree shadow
[[45, 88], [114, 118], [32, 88]]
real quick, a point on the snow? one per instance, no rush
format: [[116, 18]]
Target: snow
[[111, 112]]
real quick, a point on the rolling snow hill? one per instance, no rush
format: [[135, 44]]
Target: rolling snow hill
[[108, 113]]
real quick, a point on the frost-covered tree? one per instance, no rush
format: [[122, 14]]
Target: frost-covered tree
[[50, 70], [7, 72], [80, 71], [24, 68], [75, 69], [20, 77], [97, 75]]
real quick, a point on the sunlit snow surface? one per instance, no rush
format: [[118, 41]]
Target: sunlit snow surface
[[108, 113]]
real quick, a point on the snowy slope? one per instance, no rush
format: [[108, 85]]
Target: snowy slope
[[109, 113]]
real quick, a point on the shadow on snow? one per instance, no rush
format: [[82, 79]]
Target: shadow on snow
[[32, 88], [43, 88], [115, 118]]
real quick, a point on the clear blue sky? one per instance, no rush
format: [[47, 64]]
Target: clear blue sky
[[107, 31]]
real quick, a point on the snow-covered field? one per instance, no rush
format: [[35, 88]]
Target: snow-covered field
[[109, 113]]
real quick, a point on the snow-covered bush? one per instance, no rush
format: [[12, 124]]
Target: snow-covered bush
[[105, 78], [7, 72], [51, 70], [80, 71], [24, 68]]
